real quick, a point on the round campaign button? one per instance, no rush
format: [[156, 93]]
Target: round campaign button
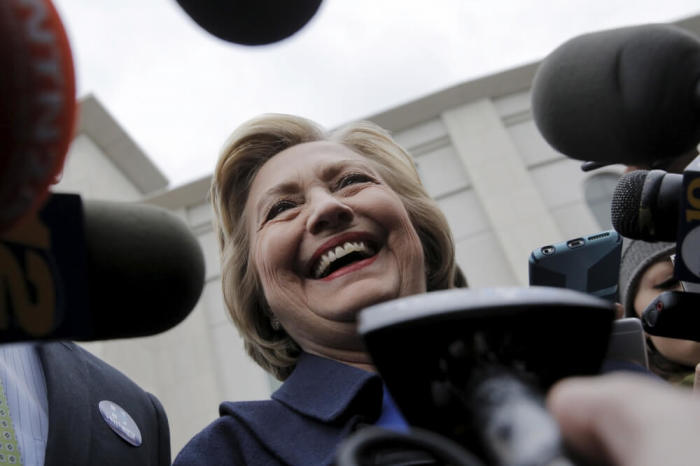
[[120, 422]]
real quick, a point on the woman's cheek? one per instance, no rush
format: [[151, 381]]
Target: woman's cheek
[[276, 246], [274, 261], [408, 250], [264, 260], [680, 351]]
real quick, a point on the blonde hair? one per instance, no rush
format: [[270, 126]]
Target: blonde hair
[[246, 150]]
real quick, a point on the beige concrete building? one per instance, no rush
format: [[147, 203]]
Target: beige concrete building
[[502, 188]]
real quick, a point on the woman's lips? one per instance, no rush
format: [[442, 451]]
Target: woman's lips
[[350, 268], [338, 241]]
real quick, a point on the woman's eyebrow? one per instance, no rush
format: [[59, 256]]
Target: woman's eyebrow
[[332, 170], [667, 283], [286, 188]]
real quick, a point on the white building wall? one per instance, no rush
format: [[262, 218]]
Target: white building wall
[[559, 180], [238, 377], [501, 182], [446, 179], [90, 172]]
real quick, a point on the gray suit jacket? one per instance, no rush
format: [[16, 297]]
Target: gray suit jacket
[[76, 381]]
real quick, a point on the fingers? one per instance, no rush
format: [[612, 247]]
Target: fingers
[[624, 419], [581, 406], [619, 311]]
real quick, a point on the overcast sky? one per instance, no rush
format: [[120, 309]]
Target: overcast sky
[[179, 91]]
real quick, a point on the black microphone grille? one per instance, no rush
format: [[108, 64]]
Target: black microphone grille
[[627, 95], [146, 269], [624, 209]]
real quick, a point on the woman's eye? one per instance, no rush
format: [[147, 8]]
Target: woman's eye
[[353, 178], [669, 284], [278, 208]]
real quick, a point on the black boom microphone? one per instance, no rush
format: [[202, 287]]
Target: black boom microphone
[[251, 22], [659, 206], [97, 270], [629, 95]]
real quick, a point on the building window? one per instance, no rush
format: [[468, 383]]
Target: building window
[[598, 191]]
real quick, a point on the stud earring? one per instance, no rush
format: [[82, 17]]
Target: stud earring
[[275, 323]]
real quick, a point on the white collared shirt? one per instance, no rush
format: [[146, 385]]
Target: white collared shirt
[[25, 388]]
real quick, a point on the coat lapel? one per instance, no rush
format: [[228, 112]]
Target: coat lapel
[[70, 413]]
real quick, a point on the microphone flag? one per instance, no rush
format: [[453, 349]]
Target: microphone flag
[[43, 273]]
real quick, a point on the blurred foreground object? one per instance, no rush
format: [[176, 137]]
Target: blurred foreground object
[[37, 104], [251, 22]]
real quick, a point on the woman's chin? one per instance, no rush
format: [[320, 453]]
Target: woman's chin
[[346, 303]]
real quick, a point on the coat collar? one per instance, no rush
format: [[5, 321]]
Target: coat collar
[[317, 407], [325, 389]]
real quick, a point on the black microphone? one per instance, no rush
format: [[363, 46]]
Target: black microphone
[[472, 365], [659, 206], [251, 22], [629, 95], [97, 270], [645, 205], [673, 314]]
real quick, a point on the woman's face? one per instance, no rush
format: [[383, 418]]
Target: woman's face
[[328, 238], [655, 280]]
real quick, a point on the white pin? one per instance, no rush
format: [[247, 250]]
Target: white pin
[[120, 422]]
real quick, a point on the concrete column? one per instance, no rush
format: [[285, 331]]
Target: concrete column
[[517, 213]]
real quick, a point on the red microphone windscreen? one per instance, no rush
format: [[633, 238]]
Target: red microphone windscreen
[[37, 104]]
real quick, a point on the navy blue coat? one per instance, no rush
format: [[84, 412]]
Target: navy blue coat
[[320, 404]]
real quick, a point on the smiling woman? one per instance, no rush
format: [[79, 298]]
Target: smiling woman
[[313, 227], [329, 237], [274, 169]]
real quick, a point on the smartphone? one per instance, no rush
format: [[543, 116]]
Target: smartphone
[[591, 264], [588, 263], [627, 342]]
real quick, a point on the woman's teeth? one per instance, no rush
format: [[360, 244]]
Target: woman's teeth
[[340, 251]]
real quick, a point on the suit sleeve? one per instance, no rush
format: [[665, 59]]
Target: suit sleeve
[[163, 432]]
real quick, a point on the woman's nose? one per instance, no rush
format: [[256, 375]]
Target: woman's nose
[[328, 213]]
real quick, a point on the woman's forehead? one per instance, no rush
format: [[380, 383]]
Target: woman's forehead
[[659, 269], [318, 159], [311, 154]]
